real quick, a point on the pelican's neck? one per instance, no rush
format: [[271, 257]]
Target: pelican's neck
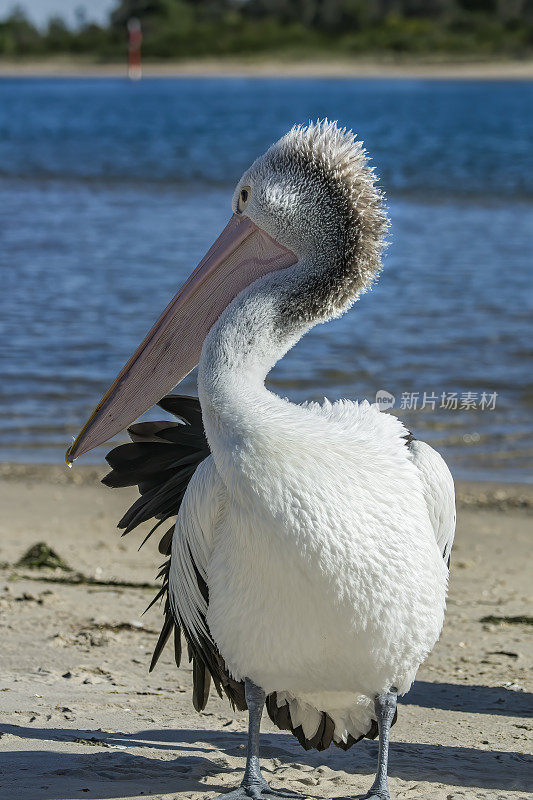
[[253, 333]]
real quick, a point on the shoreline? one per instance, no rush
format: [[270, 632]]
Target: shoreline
[[272, 67], [470, 494]]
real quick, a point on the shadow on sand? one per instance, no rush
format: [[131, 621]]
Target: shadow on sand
[[470, 699], [111, 773]]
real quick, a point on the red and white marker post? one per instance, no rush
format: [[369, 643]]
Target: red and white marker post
[[135, 38]]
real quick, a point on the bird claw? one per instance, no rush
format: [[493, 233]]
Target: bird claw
[[261, 792], [374, 794]]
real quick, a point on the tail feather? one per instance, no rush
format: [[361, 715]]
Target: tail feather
[[303, 715]]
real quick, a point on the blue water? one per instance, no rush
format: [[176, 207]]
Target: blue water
[[110, 193]]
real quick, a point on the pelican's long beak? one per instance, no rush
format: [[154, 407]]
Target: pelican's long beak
[[241, 254]]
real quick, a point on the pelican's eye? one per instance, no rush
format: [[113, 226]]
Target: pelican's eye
[[244, 198]]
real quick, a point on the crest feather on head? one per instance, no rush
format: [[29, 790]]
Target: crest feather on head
[[344, 162]]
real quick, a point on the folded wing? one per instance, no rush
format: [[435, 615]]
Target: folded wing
[[439, 493], [170, 463]]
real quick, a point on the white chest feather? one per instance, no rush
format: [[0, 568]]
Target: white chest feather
[[324, 572]]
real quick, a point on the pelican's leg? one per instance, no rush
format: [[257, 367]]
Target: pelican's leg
[[385, 706], [253, 782], [253, 785]]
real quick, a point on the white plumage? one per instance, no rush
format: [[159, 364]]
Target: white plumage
[[319, 532]]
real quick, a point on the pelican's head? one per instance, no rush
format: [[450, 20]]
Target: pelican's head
[[314, 192], [308, 204]]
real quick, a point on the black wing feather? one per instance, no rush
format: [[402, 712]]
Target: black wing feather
[[201, 681], [177, 644], [161, 460], [184, 407], [166, 630]]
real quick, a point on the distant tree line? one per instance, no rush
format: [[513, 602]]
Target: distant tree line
[[185, 28]]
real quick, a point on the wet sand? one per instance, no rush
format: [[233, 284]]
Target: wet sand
[[320, 67], [81, 716]]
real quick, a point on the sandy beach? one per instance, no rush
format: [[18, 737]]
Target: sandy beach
[[81, 716], [320, 67]]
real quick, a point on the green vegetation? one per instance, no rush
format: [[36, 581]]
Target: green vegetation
[[523, 619], [191, 28], [40, 555]]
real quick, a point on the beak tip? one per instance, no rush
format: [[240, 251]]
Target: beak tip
[[68, 457]]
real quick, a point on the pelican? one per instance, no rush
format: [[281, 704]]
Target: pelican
[[308, 564]]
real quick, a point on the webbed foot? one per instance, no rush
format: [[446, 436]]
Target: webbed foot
[[261, 791], [374, 794]]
